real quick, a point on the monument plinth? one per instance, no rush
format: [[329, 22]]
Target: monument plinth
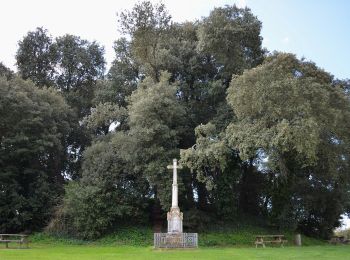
[[175, 238], [175, 218]]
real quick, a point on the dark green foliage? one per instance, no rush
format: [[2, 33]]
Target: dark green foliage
[[36, 58], [156, 119], [290, 111], [260, 136], [73, 66], [121, 171], [34, 125], [79, 65], [103, 115], [122, 77], [69, 63], [146, 24], [90, 209], [232, 186], [193, 60], [6, 72], [95, 210], [107, 194], [232, 36]]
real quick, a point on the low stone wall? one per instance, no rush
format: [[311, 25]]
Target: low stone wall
[[175, 240]]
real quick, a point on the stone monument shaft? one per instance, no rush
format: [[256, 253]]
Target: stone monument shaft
[[174, 200], [175, 216]]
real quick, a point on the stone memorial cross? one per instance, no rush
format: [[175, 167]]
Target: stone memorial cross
[[174, 216], [175, 238]]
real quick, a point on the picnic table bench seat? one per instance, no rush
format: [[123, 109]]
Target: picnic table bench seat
[[273, 239], [339, 240], [14, 238]]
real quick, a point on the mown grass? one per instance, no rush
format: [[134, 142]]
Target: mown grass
[[92, 252], [225, 236], [235, 242]]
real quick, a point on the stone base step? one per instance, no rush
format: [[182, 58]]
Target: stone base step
[[175, 240]]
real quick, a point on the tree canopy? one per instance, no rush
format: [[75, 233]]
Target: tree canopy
[[290, 112], [34, 126], [260, 135]]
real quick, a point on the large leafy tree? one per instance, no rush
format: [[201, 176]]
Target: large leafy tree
[[122, 78], [34, 126], [35, 57], [147, 24], [195, 53], [232, 36], [73, 66], [291, 112], [122, 170], [191, 53], [109, 193], [156, 120], [79, 65], [215, 166], [68, 63]]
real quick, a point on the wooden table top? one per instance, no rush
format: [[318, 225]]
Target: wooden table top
[[19, 235], [269, 236]]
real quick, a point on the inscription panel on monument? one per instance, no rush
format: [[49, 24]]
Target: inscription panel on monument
[[181, 240]]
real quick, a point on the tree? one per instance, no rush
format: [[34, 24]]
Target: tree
[[36, 58], [79, 65], [147, 25], [210, 159], [156, 119], [122, 78], [108, 195], [103, 115], [6, 72], [34, 126], [69, 63], [122, 170], [232, 36], [291, 112], [157, 44]]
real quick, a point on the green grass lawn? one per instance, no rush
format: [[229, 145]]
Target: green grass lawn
[[87, 252], [135, 243]]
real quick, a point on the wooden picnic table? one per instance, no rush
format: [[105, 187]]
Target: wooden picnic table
[[14, 238], [339, 240], [274, 239]]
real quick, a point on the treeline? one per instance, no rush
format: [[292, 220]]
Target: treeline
[[83, 152]]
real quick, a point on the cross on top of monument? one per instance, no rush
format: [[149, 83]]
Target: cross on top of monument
[[174, 167], [174, 194]]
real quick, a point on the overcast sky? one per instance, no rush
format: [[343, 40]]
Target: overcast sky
[[318, 30]]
